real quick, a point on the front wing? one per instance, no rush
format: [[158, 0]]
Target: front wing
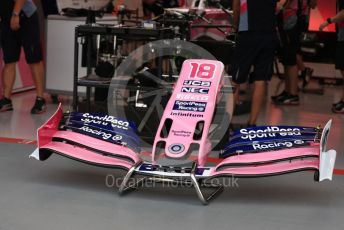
[[93, 151]]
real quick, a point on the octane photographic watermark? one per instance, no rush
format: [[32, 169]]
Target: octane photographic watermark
[[115, 182]]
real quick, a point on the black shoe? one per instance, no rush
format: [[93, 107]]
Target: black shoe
[[5, 105], [39, 107], [338, 103], [288, 100], [338, 108], [283, 94]]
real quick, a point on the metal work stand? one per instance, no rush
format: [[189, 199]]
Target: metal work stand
[[197, 183], [87, 32]]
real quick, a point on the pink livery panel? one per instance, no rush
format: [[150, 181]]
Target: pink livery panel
[[46, 132], [189, 112], [82, 147], [86, 156], [269, 163], [269, 169]]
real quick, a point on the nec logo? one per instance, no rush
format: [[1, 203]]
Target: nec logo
[[195, 90], [197, 83]]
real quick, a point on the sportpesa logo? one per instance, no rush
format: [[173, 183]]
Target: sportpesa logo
[[269, 132]]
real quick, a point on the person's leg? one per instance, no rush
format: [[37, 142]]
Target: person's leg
[[291, 61], [339, 63], [236, 93], [11, 46], [37, 71], [342, 71], [306, 72], [291, 69], [263, 70], [290, 97], [293, 79], [286, 79], [30, 35], [296, 61], [285, 59], [339, 107], [257, 101], [8, 78], [243, 57], [232, 100], [300, 65], [286, 87]]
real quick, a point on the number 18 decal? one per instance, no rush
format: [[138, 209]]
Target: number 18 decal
[[203, 71]]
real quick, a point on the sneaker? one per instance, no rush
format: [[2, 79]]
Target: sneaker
[[283, 94], [288, 100], [5, 105], [339, 108], [338, 103], [39, 107]]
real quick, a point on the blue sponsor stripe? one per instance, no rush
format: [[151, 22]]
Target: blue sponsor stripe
[[115, 131], [238, 142], [98, 117], [104, 135], [190, 106], [257, 133], [264, 147], [301, 128]]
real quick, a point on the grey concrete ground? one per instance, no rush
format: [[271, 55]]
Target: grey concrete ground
[[63, 194]]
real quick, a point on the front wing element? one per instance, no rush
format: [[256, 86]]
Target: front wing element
[[327, 158], [81, 147], [91, 139], [90, 150]]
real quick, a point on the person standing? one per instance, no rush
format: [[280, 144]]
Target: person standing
[[255, 22], [290, 36], [306, 72], [20, 28], [339, 19]]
